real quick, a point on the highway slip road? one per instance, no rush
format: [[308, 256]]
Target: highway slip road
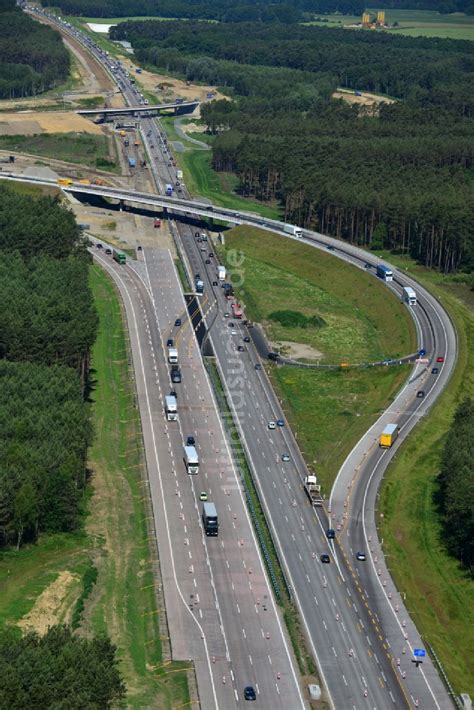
[[220, 608]]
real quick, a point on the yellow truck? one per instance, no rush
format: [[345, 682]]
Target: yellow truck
[[64, 181], [388, 436]]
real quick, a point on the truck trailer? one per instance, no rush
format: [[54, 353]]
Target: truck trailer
[[293, 230], [210, 520], [313, 490], [191, 460], [409, 296], [388, 436], [221, 273], [171, 408], [199, 287], [384, 273]]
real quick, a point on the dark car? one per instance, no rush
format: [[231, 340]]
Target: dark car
[[246, 339], [173, 394], [325, 559], [249, 693], [330, 248], [99, 245], [190, 441], [330, 534], [139, 248], [197, 276], [169, 343], [273, 356], [280, 422], [435, 370], [240, 348], [231, 325], [214, 283], [368, 266], [208, 261], [196, 234], [420, 394], [211, 255], [176, 376], [108, 251], [258, 366], [177, 322]]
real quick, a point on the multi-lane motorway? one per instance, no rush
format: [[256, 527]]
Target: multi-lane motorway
[[355, 620]]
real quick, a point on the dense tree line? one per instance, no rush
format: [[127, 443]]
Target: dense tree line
[[456, 483], [58, 670], [33, 57], [285, 11], [396, 178], [47, 328], [443, 6]]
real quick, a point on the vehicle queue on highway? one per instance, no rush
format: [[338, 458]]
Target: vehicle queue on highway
[[255, 380]]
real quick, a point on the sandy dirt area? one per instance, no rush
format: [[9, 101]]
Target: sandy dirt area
[[54, 605], [298, 351], [192, 128], [167, 87], [365, 100], [30, 122]]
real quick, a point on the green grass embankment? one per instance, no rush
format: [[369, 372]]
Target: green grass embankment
[[439, 593], [123, 601], [349, 315], [84, 148], [102, 578], [202, 181]]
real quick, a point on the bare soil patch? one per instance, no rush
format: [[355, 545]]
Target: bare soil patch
[[365, 99], [298, 351], [54, 605], [34, 122]]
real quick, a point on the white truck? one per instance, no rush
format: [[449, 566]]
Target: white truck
[[179, 174], [191, 460], [221, 273], [171, 408], [313, 490], [409, 296], [293, 230], [173, 356]]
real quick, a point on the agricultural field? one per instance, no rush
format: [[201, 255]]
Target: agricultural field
[[414, 23]]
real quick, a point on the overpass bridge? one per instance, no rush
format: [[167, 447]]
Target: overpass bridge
[[148, 110]]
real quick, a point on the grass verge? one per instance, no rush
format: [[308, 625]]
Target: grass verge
[[331, 409], [202, 181], [292, 620], [307, 297], [439, 594], [83, 148], [183, 277], [123, 601]]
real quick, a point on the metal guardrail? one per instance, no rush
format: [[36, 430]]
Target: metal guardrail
[[443, 675], [231, 428]]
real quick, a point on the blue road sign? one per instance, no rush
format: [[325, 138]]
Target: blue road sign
[[419, 652], [422, 352]]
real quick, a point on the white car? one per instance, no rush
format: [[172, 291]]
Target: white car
[[271, 425], [233, 332]]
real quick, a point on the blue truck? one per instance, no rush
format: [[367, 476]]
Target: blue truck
[[384, 273]]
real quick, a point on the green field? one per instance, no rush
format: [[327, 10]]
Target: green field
[[84, 148], [331, 410], [116, 540], [361, 321], [202, 181], [328, 410], [439, 594], [417, 23]]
